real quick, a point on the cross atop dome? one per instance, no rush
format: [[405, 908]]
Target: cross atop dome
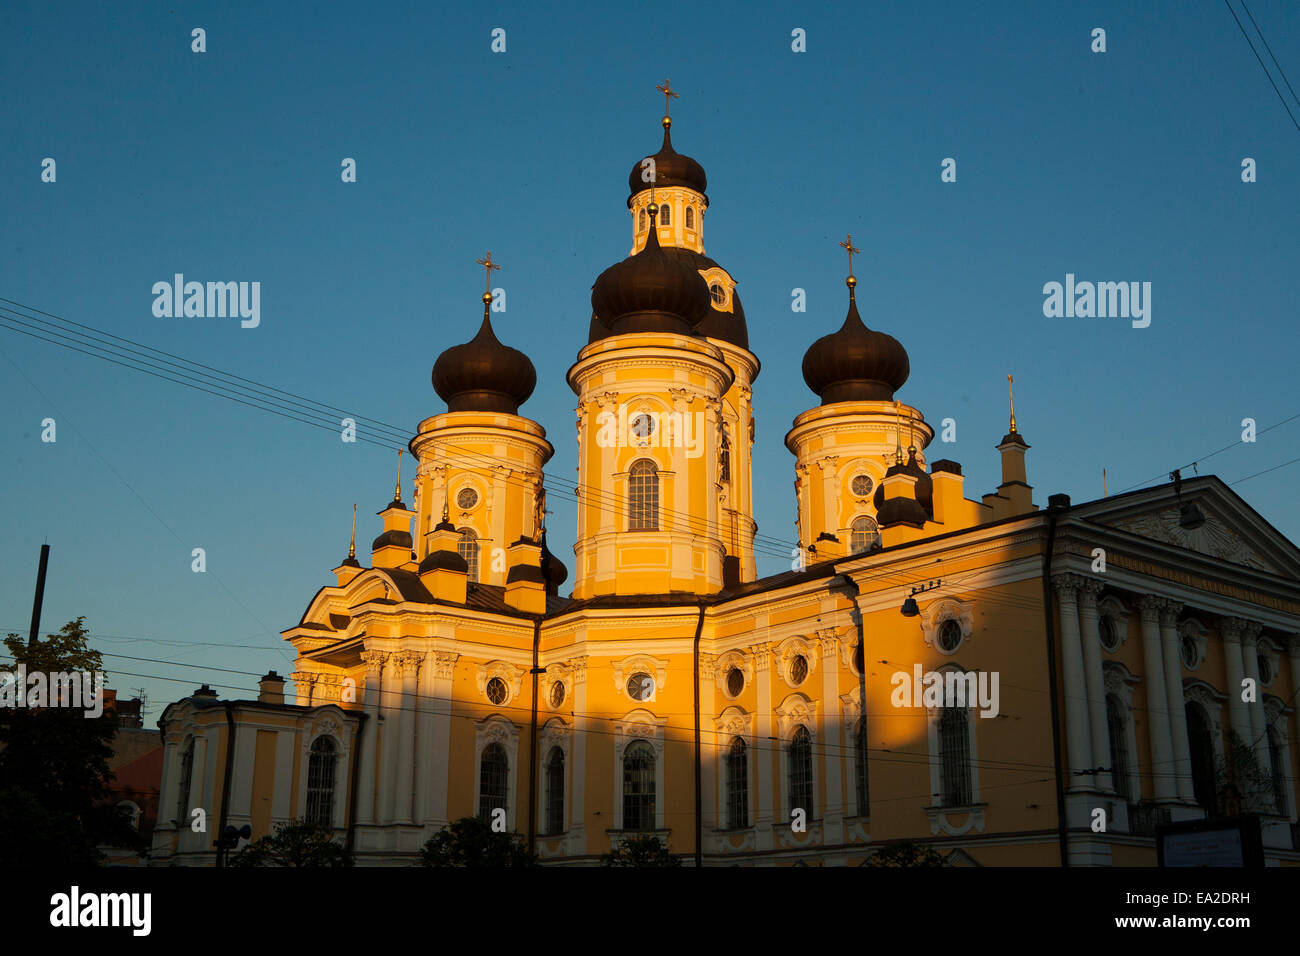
[[669, 95], [848, 246]]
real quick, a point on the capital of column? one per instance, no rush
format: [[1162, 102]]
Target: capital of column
[[578, 668], [1089, 588], [409, 662], [1292, 642], [1067, 585], [1150, 606], [830, 643], [1250, 636], [762, 652], [708, 666], [374, 661], [1232, 629], [1169, 612], [444, 664]]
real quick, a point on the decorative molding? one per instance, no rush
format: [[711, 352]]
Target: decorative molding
[[785, 653], [510, 673], [947, 609], [1213, 537]]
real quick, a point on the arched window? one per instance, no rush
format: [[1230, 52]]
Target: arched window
[[1200, 741], [690, 218], [864, 534], [187, 771], [468, 548], [320, 782], [639, 786], [665, 219], [643, 496], [555, 792], [737, 785], [954, 753], [799, 754], [641, 227], [493, 777], [1278, 770], [724, 459], [860, 756], [1117, 728]]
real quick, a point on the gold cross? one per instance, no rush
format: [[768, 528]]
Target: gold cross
[[848, 245], [667, 90], [488, 265]]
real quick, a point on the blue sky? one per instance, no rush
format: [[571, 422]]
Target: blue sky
[[225, 166]]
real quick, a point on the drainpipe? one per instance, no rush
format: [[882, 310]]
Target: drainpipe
[[699, 820], [532, 741], [225, 782], [1057, 505]]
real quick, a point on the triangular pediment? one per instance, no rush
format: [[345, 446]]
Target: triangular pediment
[[1233, 532]]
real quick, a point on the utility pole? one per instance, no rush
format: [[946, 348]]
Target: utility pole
[[40, 595]]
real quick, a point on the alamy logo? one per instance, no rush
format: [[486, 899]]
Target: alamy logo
[[1084, 300], [651, 430], [133, 910], [946, 689], [77, 690], [213, 300]]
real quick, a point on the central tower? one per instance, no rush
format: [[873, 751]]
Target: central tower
[[665, 420]]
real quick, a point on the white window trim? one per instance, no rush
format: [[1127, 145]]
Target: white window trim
[[798, 710], [639, 725], [327, 722], [498, 729], [1119, 681], [945, 609], [733, 723], [939, 819]]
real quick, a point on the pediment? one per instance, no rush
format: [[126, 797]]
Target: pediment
[[1233, 532]]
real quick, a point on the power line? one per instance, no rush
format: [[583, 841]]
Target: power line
[[1280, 97]]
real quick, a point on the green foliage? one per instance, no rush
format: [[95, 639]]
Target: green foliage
[[471, 842], [646, 850], [54, 767], [905, 854], [297, 843]]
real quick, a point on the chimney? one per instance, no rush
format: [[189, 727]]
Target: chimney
[[205, 692], [525, 585], [270, 689]]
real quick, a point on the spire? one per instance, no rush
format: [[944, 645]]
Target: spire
[[1012, 397], [397, 488], [352, 546]]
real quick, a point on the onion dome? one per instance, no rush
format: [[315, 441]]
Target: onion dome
[[483, 375], [651, 291], [396, 538], [855, 364], [671, 169], [553, 570], [924, 488]]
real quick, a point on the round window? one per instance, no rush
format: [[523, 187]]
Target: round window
[[496, 690], [643, 425], [735, 681], [949, 636], [861, 485], [1109, 633], [466, 498], [798, 669], [718, 292], [1191, 652], [557, 693], [640, 686]]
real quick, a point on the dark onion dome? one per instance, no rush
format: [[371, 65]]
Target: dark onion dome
[[483, 375], [855, 364], [399, 538], [924, 487], [553, 570], [651, 291], [727, 326], [444, 561], [900, 511], [671, 169]]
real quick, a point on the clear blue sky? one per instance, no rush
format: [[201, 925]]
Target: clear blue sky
[[225, 166]]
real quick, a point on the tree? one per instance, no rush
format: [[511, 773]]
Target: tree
[[472, 842], [297, 843], [905, 854], [646, 850], [54, 805]]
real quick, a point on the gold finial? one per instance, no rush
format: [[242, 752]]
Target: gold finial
[[1011, 396], [1105, 491], [397, 489], [898, 432], [446, 515], [669, 95], [352, 548], [488, 265], [848, 246]]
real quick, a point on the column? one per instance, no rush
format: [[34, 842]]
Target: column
[[1233, 629], [1258, 717], [409, 661], [1095, 679], [1182, 753], [435, 750], [1163, 770], [833, 747], [1077, 733], [578, 787], [389, 702], [765, 753], [374, 661]]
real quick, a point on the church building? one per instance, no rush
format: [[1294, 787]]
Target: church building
[[1136, 655]]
